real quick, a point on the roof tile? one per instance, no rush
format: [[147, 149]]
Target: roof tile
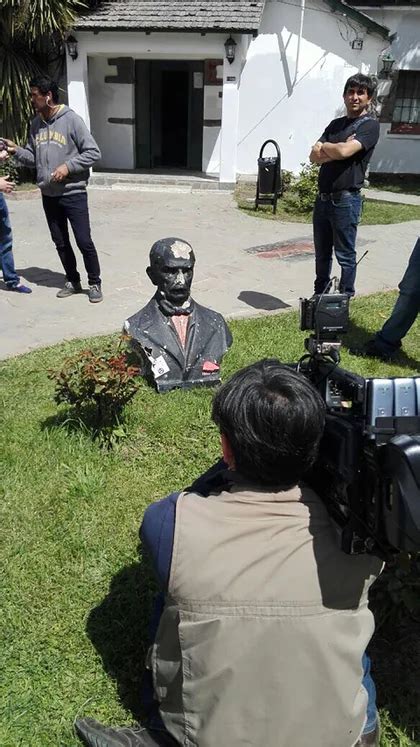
[[174, 15]]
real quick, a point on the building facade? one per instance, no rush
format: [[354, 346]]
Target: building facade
[[398, 150], [200, 86]]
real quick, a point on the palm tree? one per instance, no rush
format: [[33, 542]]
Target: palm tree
[[31, 39]]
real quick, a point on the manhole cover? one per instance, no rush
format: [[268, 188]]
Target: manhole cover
[[283, 249]]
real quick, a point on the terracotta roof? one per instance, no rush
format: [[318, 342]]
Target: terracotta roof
[[173, 15]]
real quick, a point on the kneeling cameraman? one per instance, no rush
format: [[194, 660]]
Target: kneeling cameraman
[[265, 621]]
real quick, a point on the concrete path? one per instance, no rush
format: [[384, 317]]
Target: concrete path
[[376, 194], [228, 278]]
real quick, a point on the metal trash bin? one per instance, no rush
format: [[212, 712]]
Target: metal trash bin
[[267, 174], [269, 177]]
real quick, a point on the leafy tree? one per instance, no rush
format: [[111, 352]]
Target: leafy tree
[[31, 40]]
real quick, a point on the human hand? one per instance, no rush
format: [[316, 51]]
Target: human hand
[[351, 137], [6, 185], [4, 155], [60, 173], [10, 146]]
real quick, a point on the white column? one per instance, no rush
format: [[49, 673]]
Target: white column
[[230, 115], [77, 84]]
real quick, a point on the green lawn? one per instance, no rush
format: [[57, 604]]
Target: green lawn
[[408, 184], [75, 597], [375, 212]]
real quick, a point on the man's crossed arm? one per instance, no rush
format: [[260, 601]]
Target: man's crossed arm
[[326, 152]]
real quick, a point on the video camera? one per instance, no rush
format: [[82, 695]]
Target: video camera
[[368, 469]]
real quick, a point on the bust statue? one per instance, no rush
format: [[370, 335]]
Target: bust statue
[[179, 342]]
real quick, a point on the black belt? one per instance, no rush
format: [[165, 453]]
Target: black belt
[[324, 196]]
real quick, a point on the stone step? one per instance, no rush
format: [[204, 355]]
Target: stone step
[[156, 182]]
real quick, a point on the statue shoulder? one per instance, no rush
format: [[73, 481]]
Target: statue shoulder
[[212, 317], [142, 316]]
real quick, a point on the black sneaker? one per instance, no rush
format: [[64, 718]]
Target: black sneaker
[[372, 350], [94, 734], [95, 294], [69, 289]]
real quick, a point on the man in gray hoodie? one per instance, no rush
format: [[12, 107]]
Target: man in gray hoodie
[[62, 150]]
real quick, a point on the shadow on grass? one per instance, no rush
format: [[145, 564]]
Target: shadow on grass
[[73, 421], [357, 337], [119, 630], [395, 655]]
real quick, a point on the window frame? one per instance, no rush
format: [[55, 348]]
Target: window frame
[[408, 90]]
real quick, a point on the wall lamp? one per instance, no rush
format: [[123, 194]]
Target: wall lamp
[[230, 47], [71, 44], [387, 61]]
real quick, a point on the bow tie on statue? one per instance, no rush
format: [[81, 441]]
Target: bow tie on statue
[[169, 309]]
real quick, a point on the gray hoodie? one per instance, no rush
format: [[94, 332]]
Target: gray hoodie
[[62, 139]]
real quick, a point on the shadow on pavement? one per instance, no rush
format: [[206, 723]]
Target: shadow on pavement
[[262, 301], [43, 276]]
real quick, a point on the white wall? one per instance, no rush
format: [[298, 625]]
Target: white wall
[[396, 153], [290, 91], [97, 101], [106, 100]]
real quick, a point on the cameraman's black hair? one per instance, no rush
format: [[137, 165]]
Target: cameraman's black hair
[[273, 419], [360, 81], [45, 85]]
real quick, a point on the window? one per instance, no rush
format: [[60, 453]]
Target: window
[[406, 115]]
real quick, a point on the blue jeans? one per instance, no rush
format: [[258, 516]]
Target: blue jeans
[[335, 222], [369, 685], [7, 262], [406, 307]]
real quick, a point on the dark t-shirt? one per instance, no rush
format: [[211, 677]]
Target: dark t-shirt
[[348, 173]]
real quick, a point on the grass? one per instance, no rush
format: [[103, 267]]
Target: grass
[[75, 595], [375, 212], [408, 184]]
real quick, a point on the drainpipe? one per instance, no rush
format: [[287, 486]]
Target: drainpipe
[[302, 14]]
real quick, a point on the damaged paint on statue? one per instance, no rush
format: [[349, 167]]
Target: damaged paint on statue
[[179, 342]]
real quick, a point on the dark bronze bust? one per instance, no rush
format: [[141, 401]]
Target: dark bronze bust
[[179, 342]]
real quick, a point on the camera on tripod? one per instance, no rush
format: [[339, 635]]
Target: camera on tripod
[[368, 468], [327, 314]]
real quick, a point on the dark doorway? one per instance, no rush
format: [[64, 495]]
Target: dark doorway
[[169, 114], [174, 119]]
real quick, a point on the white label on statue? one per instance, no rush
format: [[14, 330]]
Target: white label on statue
[[159, 367]]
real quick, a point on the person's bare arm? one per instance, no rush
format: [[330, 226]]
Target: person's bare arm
[[341, 151], [317, 155]]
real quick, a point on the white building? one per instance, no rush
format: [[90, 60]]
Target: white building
[[153, 82], [398, 150]]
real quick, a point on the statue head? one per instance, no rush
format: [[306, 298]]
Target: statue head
[[171, 269]]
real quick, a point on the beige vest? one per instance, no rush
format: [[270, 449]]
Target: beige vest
[[265, 624]]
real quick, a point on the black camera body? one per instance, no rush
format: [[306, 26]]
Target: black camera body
[[368, 468], [328, 316]]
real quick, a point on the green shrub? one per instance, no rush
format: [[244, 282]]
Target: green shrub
[[10, 168], [303, 190], [287, 180], [98, 387]]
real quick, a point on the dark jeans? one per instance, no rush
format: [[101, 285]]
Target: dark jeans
[[335, 222], [73, 209], [406, 307]]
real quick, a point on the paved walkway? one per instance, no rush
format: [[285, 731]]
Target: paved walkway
[[228, 278], [376, 194]]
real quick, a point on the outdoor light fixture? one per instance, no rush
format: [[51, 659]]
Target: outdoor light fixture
[[230, 47], [387, 63], [71, 44]]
